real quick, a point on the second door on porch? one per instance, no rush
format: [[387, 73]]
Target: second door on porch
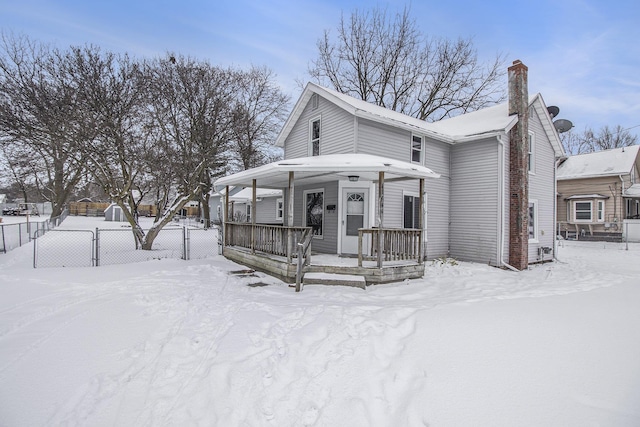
[[355, 215]]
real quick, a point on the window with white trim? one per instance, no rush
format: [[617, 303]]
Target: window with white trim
[[248, 211], [314, 101], [600, 211], [531, 155], [279, 208], [314, 137], [533, 220], [416, 148], [314, 211], [582, 211]]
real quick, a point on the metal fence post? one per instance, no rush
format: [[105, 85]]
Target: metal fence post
[[35, 242], [97, 255], [4, 244], [19, 234], [184, 243]]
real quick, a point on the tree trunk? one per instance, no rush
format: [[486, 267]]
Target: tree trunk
[[206, 212]]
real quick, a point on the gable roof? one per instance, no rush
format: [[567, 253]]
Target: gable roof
[[617, 161], [466, 127]]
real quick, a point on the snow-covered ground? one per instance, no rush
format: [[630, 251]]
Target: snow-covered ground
[[170, 342]]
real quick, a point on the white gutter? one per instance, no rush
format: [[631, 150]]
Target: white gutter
[[622, 198]]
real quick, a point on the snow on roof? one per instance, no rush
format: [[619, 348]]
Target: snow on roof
[[617, 161], [325, 168], [487, 121], [587, 196], [246, 194], [633, 191]]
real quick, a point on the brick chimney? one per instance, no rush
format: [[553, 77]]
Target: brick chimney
[[519, 167]]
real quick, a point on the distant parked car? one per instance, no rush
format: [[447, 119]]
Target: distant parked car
[[21, 209]]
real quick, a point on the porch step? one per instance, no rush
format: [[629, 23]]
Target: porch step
[[334, 279]]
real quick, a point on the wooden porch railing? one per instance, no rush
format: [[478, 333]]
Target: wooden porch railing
[[270, 239], [397, 244]]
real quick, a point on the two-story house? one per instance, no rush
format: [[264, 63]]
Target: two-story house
[[477, 187]]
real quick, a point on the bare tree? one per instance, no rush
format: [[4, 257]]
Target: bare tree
[[390, 63], [190, 103], [604, 139], [260, 109], [39, 125]]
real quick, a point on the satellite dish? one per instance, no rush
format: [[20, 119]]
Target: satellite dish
[[562, 125], [553, 111]]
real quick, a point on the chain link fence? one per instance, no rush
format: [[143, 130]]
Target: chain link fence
[[117, 246], [15, 235]]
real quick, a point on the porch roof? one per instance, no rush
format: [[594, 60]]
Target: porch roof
[[316, 169], [633, 191]]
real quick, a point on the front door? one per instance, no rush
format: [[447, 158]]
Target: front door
[[355, 215]]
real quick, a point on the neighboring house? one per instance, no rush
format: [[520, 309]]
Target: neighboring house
[[216, 203], [597, 191], [269, 205], [477, 187]]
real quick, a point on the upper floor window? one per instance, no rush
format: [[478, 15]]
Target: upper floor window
[[416, 149], [531, 155], [314, 101], [314, 137]]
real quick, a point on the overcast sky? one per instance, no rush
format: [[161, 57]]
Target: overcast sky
[[583, 56]]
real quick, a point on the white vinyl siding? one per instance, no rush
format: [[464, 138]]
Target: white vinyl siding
[[436, 158], [541, 188], [474, 197], [336, 131]]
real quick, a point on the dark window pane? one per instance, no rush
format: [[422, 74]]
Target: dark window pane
[[353, 223]]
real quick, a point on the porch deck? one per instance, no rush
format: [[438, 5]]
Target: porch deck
[[391, 271]]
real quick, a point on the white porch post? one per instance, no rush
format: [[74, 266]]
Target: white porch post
[[380, 216], [225, 217], [290, 218], [421, 222], [253, 217]]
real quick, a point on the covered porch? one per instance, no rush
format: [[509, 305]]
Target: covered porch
[[342, 211]]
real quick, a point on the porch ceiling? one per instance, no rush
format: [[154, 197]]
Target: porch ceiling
[[317, 169]]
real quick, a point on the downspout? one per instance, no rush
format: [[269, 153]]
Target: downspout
[[555, 210], [621, 200], [502, 262]]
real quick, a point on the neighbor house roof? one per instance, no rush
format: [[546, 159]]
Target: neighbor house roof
[[633, 191], [309, 170], [485, 122], [617, 161], [246, 194]]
